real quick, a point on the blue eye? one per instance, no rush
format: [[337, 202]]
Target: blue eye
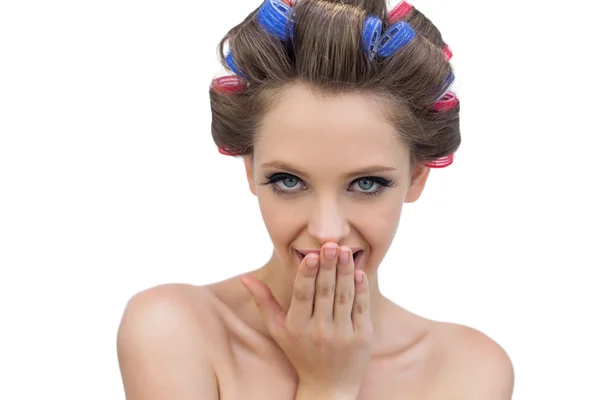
[[282, 184], [288, 181], [367, 180]]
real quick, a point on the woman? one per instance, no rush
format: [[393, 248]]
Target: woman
[[339, 109]]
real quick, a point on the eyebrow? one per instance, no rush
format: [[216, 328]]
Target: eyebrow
[[363, 171]]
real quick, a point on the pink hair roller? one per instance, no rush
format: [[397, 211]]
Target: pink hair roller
[[447, 102], [447, 52], [441, 162], [399, 12], [228, 84]]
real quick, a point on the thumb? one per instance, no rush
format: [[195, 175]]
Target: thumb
[[269, 308]]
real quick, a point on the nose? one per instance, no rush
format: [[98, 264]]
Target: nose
[[327, 222]]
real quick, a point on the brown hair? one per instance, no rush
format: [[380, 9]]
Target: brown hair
[[325, 54]]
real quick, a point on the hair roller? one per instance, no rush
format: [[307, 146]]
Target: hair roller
[[227, 152], [273, 16], [447, 52], [230, 61], [228, 84], [371, 35], [399, 12], [448, 102], [446, 87], [395, 37], [441, 162]]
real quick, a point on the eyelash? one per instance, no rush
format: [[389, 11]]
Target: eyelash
[[276, 177]]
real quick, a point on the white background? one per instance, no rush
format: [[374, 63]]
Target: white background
[[110, 183]]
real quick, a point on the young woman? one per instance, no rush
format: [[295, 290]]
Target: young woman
[[339, 110]]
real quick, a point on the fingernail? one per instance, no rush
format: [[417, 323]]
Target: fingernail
[[311, 262], [247, 285], [330, 253], [344, 256], [244, 280], [358, 276]]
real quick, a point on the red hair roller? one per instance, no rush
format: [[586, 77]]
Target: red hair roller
[[446, 103], [399, 12], [230, 84], [447, 52], [226, 152], [441, 162]]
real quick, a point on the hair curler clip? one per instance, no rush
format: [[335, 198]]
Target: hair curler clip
[[395, 37], [273, 16], [448, 102], [441, 162], [399, 12], [371, 35], [228, 84]]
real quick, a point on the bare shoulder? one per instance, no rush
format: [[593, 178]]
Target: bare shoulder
[[170, 306], [163, 344], [477, 366]]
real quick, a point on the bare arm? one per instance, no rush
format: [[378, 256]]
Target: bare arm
[[161, 351]]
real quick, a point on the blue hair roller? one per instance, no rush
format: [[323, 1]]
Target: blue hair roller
[[371, 35], [273, 16], [230, 61], [396, 37], [447, 84]]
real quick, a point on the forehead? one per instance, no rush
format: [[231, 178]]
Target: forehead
[[309, 129]]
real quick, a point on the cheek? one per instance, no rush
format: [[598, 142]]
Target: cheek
[[379, 227], [393, 220], [278, 218]]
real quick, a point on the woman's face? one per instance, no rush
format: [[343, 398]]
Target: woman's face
[[331, 170]]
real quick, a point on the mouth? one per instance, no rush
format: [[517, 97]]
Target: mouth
[[356, 256]]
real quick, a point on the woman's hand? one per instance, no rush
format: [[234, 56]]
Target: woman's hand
[[327, 332]]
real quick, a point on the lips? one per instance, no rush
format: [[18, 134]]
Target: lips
[[356, 255]]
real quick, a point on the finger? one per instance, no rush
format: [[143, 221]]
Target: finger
[[270, 310], [303, 293], [325, 285], [361, 317], [344, 290]]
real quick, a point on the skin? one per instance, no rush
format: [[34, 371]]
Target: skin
[[343, 135], [197, 341]]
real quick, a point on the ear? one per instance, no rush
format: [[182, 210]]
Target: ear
[[249, 166], [417, 184]]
